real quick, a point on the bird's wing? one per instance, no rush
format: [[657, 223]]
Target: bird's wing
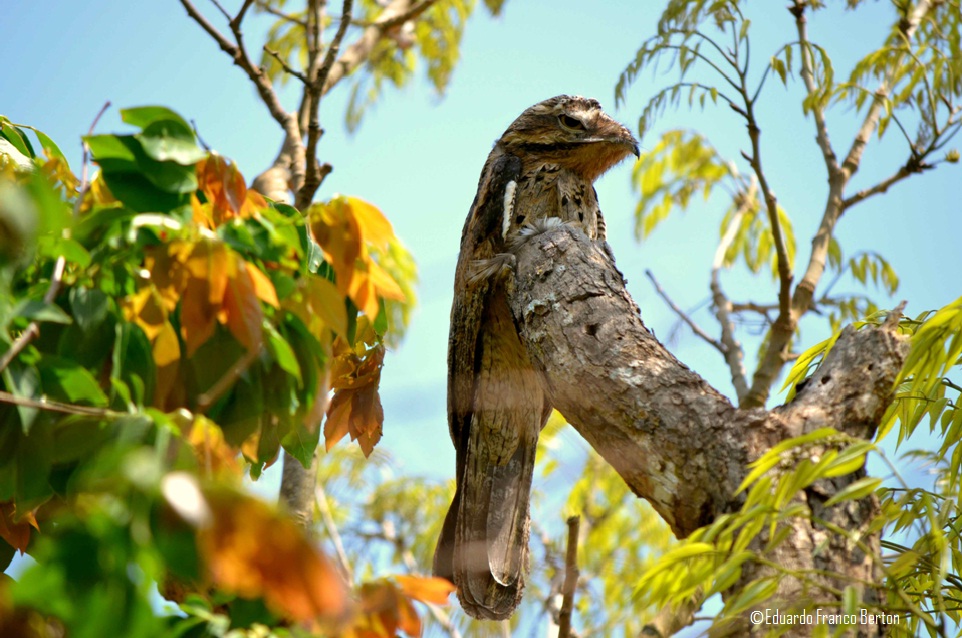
[[481, 239]]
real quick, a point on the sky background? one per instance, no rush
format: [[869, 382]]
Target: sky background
[[418, 156]]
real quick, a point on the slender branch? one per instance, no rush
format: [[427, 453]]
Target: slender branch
[[32, 331], [284, 65], [881, 187], [733, 353], [751, 306], [222, 385], [808, 77], [325, 509], [267, 8], [55, 406], [222, 10], [314, 175], [684, 316], [571, 579], [262, 83]]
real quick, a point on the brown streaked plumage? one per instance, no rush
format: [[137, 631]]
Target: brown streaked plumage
[[542, 168]]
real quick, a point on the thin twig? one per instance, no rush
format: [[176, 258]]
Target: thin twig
[[284, 65], [267, 8], [209, 398], [881, 187], [571, 578], [221, 8], [262, 83], [55, 406], [313, 176], [327, 516], [683, 315], [733, 353], [808, 77], [32, 331]]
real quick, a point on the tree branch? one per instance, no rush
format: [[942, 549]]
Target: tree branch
[[581, 331], [881, 187], [684, 316], [262, 83], [571, 579], [317, 80], [733, 352], [808, 77], [55, 406], [674, 439]]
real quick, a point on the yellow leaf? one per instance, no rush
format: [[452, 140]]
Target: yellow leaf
[[375, 227], [384, 283], [263, 287], [327, 303], [213, 452]]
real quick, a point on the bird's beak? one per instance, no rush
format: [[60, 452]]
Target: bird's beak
[[634, 147]]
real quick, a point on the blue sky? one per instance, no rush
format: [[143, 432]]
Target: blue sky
[[418, 157]]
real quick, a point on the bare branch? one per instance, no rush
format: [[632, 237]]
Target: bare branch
[[571, 578], [732, 349], [284, 65], [222, 10], [684, 316], [55, 406], [314, 175], [265, 6], [881, 187], [262, 83], [325, 509], [818, 111]]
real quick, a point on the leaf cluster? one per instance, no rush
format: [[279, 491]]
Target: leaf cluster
[[163, 329]]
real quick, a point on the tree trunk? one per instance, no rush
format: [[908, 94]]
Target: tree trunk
[[674, 439]]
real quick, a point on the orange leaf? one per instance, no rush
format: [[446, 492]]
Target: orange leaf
[[16, 530], [243, 309], [255, 552], [426, 589], [327, 303], [338, 419], [263, 287]]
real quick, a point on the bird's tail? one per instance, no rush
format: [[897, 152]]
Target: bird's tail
[[484, 542]]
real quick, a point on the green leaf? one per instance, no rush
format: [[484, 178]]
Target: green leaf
[[144, 116], [168, 140], [283, 353], [37, 310], [856, 490], [66, 381], [16, 137]]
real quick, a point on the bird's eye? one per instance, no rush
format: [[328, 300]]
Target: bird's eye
[[571, 122]]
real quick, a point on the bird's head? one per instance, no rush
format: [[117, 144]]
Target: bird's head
[[573, 132]]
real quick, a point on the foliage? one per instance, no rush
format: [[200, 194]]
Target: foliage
[[163, 328], [433, 38], [913, 80]]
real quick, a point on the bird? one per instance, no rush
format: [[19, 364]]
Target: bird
[[540, 173]]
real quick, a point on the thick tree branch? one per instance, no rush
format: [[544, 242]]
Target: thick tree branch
[[674, 439], [658, 419]]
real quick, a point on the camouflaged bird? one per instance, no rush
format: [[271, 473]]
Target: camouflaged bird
[[539, 173]]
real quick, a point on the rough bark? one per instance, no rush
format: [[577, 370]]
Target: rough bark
[[674, 439]]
